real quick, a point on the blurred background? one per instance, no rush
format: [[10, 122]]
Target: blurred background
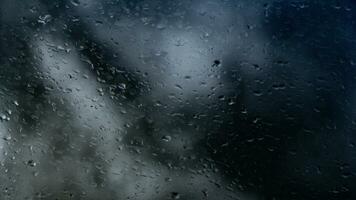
[[188, 99]]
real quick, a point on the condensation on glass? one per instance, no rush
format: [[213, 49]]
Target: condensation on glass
[[188, 99]]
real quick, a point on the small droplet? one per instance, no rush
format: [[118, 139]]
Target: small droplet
[[179, 87], [3, 117], [31, 163], [7, 138], [44, 19], [99, 22], [221, 97], [231, 102], [175, 195], [101, 91], [257, 93], [217, 63], [122, 86], [75, 2], [166, 138], [205, 192]]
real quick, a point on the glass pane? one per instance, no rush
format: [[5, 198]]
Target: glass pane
[[188, 99]]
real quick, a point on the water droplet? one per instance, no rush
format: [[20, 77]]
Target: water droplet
[[175, 195], [217, 63], [44, 19], [75, 2], [166, 138], [122, 86], [231, 102], [179, 87], [205, 192], [7, 138], [257, 93], [221, 97], [3, 117], [31, 163]]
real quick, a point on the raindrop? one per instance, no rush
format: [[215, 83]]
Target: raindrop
[[231, 102], [75, 2], [205, 192], [3, 117], [7, 138], [221, 97], [217, 63], [44, 19], [31, 163], [122, 86], [166, 138], [175, 195], [179, 87]]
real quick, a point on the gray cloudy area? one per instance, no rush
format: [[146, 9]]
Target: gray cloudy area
[[168, 99]]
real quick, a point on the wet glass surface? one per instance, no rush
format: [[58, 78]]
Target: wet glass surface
[[188, 99]]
